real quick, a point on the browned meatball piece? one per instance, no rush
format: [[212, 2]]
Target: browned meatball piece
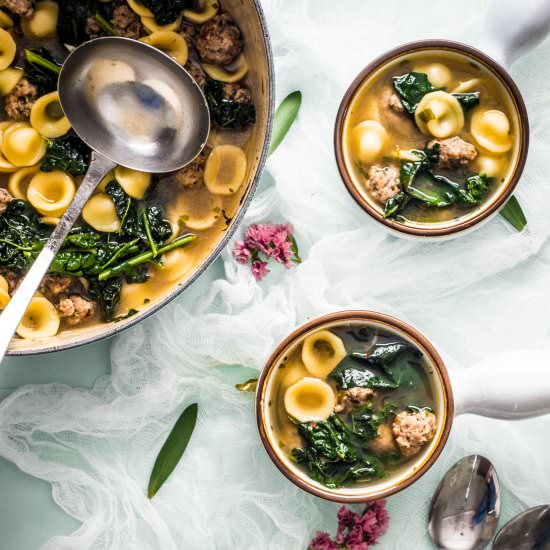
[[383, 182], [220, 40], [195, 70], [354, 396], [414, 430], [5, 199], [54, 285], [13, 279], [23, 8], [391, 100], [91, 28], [126, 22], [190, 33], [193, 173], [75, 309], [20, 100], [454, 152], [239, 93]]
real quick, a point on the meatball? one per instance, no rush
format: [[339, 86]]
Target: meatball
[[195, 70], [190, 33], [5, 199], [383, 182], [354, 396], [192, 174], [126, 22], [220, 41], [454, 152], [390, 100], [75, 309], [239, 93], [23, 8], [413, 430], [20, 100], [91, 28], [55, 285]]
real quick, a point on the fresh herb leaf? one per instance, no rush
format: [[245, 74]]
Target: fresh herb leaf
[[285, 115], [248, 386], [412, 87], [68, 154], [173, 449], [513, 214], [41, 69]]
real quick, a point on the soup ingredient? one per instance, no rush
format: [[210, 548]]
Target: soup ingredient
[[68, 153], [40, 320], [453, 152], [491, 129], [5, 199], [370, 139], [355, 530], [513, 214], [439, 114], [192, 174], [321, 352], [220, 41], [41, 69], [125, 22], [352, 397], [173, 449], [467, 100], [309, 399], [23, 8], [75, 309], [285, 115], [263, 242], [413, 430], [165, 11], [365, 422], [225, 169], [438, 74], [412, 87], [20, 100], [230, 104], [383, 182]]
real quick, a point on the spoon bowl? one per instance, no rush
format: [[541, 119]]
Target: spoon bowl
[[529, 530], [466, 506]]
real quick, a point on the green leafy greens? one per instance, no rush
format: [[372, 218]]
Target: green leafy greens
[[67, 153], [228, 113], [41, 69]]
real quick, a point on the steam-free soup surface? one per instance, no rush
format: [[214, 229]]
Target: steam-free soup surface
[[431, 138], [353, 404]]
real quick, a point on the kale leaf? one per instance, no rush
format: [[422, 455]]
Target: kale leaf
[[67, 153], [41, 69], [352, 372], [412, 87], [365, 422], [107, 293], [166, 11], [468, 100], [477, 186], [228, 113]]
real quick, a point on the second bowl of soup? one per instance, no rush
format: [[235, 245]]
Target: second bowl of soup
[[431, 138]]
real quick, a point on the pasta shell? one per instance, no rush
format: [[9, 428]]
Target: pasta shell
[[43, 23], [51, 192], [492, 166], [100, 213], [210, 8], [19, 181], [438, 74], [225, 169], [309, 399], [6, 21], [230, 73], [440, 115], [151, 25], [321, 352], [201, 214], [170, 43], [7, 49], [370, 139], [48, 118], [134, 182], [40, 320], [22, 145], [140, 9], [491, 129], [176, 264], [105, 181], [8, 79]]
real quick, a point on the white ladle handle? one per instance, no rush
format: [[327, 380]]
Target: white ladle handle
[[513, 27], [510, 386], [14, 311]]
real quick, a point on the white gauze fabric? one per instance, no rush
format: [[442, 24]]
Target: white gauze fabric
[[481, 294]]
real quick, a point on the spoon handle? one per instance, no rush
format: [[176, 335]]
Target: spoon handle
[[12, 315]]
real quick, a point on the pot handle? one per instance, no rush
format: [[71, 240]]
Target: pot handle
[[513, 27], [510, 386]]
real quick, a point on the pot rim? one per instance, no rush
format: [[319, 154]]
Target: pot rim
[[515, 94], [113, 329], [369, 316]]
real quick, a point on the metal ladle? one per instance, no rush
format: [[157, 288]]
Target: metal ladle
[[134, 106]]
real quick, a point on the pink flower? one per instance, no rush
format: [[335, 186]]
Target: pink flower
[[322, 541], [241, 253], [259, 269]]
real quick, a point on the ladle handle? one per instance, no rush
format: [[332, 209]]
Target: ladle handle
[[511, 386], [513, 27], [14, 311]]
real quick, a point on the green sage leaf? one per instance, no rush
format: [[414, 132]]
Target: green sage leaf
[[513, 214], [284, 117], [249, 385], [173, 449]]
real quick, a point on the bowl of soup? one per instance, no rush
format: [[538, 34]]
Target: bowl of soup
[[431, 138], [142, 238], [354, 405]]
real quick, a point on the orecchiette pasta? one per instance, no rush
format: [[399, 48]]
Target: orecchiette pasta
[[210, 8], [51, 192], [151, 24], [43, 23], [40, 320], [230, 73], [134, 182], [140, 9], [7, 49], [4, 294], [176, 264], [48, 118], [321, 352], [491, 129], [100, 213], [169, 42], [22, 145], [201, 212], [225, 169], [310, 400], [438, 74], [105, 181], [439, 114], [50, 220], [370, 139], [8, 79], [19, 181], [5, 20]]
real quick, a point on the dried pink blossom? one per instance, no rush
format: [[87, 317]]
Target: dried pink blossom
[[263, 242], [355, 531]]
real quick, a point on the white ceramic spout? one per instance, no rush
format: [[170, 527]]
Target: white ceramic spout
[[513, 27], [511, 386]]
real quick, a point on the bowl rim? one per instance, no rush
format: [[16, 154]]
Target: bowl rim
[[343, 316], [113, 329], [485, 213]]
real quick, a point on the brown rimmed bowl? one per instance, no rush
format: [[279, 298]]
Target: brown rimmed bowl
[[474, 218], [413, 470]]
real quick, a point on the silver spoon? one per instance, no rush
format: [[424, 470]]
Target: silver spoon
[[529, 530], [466, 506], [134, 106]]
